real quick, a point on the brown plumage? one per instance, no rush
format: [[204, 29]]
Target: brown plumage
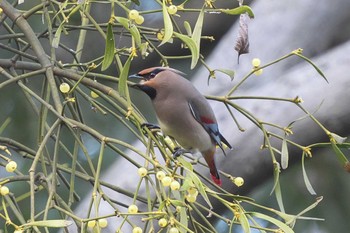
[[183, 113]]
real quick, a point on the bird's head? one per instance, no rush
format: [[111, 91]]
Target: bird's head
[[154, 78]]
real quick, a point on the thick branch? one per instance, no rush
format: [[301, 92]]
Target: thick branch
[[44, 61]]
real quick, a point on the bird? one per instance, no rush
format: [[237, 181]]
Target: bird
[[183, 113]]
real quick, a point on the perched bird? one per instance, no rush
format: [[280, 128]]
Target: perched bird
[[183, 113]]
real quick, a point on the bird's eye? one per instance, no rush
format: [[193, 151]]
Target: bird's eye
[[152, 75]]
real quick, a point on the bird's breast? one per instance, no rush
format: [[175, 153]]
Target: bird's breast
[[177, 121]]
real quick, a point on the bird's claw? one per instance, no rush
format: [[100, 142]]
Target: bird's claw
[[150, 126], [179, 151]]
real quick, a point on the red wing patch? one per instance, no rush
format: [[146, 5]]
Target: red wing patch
[[206, 120]]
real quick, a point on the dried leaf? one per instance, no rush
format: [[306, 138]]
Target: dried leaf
[[242, 43]]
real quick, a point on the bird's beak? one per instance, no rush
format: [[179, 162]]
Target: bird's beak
[[135, 76], [138, 77]]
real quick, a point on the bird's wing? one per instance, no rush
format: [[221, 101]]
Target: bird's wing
[[210, 125]]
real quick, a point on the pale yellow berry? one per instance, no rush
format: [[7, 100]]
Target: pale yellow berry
[[64, 87], [11, 166], [191, 198], [160, 175], [175, 185], [133, 14], [166, 181], [4, 190], [172, 9], [258, 72], [173, 230], [162, 222], [160, 35], [178, 209], [238, 181], [139, 20], [91, 223], [142, 171], [192, 191], [133, 209], [102, 223], [94, 94], [137, 230], [256, 62]]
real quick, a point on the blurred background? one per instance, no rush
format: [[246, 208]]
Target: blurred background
[[320, 27]]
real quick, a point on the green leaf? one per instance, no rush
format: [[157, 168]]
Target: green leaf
[[168, 25], [57, 37], [306, 179], [183, 220], [49, 223], [192, 178], [177, 203], [276, 173], [310, 207], [230, 73], [244, 222], [188, 183], [123, 85], [200, 187], [340, 155], [162, 205], [188, 28], [192, 46], [109, 49], [310, 62], [278, 195], [134, 31], [292, 220], [285, 228], [197, 31], [5, 124], [284, 154], [276, 187], [185, 163], [239, 10]]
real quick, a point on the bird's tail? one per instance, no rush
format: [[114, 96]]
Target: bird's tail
[[209, 158]]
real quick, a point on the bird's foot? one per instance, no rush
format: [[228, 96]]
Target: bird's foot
[[179, 151], [150, 126]]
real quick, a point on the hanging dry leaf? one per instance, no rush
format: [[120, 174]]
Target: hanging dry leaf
[[242, 43]]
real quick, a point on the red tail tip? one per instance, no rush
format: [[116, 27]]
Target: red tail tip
[[216, 180]]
